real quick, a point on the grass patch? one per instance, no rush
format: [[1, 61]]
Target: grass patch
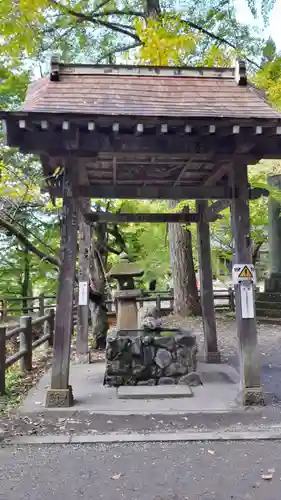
[[18, 384], [13, 393]]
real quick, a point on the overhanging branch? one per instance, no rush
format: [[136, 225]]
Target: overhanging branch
[[217, 38], [117, 50], [92, 18], [152, 6], [28, 244]]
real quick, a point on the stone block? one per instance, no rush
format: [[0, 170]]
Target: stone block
[[192, 379], [155, 371], [82, 359], [136, 346], [113, 380], [166, 381], [252, 396], [166, 342], [148, 354], [138, 368], [118, 367], [59, 398], [150, 381], [186, 340], [182, 355], [163, 358], [175, 369]]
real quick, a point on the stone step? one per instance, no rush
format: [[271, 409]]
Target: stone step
[[154, 392], [268, 297], [268, 313], [262, 304], [269, 321]]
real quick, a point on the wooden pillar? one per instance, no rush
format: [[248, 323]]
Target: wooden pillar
[[211, 352], [273, 282], [82, 345], [60, 392], [246, 327]]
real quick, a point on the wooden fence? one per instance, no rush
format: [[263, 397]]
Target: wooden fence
[[25, 332], [12, 308], [164, 301]]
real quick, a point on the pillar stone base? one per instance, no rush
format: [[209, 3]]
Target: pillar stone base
[[59, 398], [82, 359], [252, 396], [212, 357], [273, 283]]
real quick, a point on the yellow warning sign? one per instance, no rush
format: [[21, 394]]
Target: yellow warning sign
[[246, 273]]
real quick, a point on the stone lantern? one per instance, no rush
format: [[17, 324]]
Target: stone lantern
[[124, 272]]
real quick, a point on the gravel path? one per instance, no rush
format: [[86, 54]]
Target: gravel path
[[151, 471], [269, 337]]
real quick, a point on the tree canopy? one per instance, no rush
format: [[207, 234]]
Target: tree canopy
[[202, 32]]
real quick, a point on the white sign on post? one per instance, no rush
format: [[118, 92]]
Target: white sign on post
[[83, 293], [247, 300], [243, 273]]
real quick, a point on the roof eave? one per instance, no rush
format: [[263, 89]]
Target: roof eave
[[37, 115]]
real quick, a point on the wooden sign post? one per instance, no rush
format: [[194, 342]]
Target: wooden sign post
[[244, 277]]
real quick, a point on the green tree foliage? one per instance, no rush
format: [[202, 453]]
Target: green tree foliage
[[100, 29], [221, 228], [269, 76], [205, 33]]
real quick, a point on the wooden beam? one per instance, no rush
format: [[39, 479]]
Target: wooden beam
[[190, 171], [212, 211], [60, 393], [73, 138], [206, 286], [217, 174], [118, 218], [248, 350], [256, 193], [126, 122], [196, 192], [82, 347]]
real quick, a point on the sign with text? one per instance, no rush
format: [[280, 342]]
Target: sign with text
[[242, 273], [83, 293], [247, 300]]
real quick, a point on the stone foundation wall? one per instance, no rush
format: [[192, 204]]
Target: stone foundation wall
[[138, 358]]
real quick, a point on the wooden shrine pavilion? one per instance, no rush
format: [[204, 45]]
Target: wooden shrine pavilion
[[148, 133]]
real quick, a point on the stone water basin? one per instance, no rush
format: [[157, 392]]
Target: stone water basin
[[139, 357]]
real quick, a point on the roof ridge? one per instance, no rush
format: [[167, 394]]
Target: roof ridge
[[136, 70]]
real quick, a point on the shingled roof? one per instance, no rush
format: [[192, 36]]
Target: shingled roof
[[145, 132], [147, 91]]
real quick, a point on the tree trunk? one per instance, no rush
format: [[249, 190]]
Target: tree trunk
[[98, 311], [186, 299], [25, 282], [255, 251]]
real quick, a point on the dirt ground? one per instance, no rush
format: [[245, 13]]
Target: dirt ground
[[269, 338]]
